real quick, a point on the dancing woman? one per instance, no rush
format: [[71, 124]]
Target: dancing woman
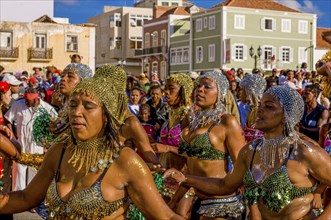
[[278, 170], [178, 89], [90, 176], [212, 135], [253, 86]]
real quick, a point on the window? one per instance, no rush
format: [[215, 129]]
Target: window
[[118, 42], [165, 3], [155, 67], [205, 22], [6, 40], [135, 42], [211, 52], [118, 20], [239, 22], [111, 21], [147, 40], [302, 55], [267, 53], [199, 54], [155, 36], [239, 52], [286, 25], [199, 25], [179, 56], [174, 4], [211, 22], [173, 56], [40, 41], [111, 43], [286, 54], [303, 27], [72, 43], [136, 20], [163, 37], [268, 24], [186, 55]]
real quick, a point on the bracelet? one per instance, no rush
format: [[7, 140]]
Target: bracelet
[[183, 181]]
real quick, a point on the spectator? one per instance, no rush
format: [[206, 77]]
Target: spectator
[[240, 75], [24, 112], [315, 115], [135, 96], [233, 88], [271, 82], [14, 85], [75, 58], [147, 122]]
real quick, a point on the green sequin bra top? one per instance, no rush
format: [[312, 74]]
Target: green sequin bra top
[[276, 190], [201, 148]]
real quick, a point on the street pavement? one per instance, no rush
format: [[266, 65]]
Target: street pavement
[[27, 216]]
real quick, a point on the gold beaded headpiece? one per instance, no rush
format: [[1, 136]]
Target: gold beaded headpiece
[[115, 77], [98, 87], [185, 81]]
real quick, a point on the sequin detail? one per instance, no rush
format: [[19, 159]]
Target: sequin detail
[[224, 207], [201, 148], [276, 190], [86, 204]]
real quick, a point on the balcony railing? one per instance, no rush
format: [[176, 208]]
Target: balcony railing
[[8, 53], [138, 52], [40, 54]]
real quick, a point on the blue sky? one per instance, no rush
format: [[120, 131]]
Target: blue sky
[[78, 11]]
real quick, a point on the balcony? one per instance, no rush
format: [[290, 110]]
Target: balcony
[[151, 51], [8, 53], [45, 55], [138, 53]]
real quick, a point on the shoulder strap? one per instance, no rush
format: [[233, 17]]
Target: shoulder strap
[[251, 164], [103, 173], [57, 174], [213, 125]]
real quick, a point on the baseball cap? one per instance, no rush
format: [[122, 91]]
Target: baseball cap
[[12, 80]]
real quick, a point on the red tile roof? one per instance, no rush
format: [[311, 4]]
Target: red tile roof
[[323, 38], [258, 4]]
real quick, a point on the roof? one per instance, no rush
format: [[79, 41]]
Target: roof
[[323, 38], [174, 10], [45, 19], [258, 4]]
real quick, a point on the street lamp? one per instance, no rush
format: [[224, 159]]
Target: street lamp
[[256, 56]]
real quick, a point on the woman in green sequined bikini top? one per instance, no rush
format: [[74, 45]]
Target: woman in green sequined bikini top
[[211, 136], [278, 170]]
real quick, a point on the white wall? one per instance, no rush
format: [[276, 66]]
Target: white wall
[[25, 10]]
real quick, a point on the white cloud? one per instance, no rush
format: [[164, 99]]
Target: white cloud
[[306, 6], [68, 2]]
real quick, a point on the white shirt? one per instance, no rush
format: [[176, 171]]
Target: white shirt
[[25, 117]]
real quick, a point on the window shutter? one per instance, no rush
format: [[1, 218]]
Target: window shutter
[[291, 55], [233, 54], [245, 52], [273, 24], [262, 24], [280, 54], [274, 51]]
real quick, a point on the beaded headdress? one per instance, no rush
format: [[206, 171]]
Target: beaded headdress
[[82, 70], [254, 86], [86, 154], [116, 77], [199, 118], [186, 83], [293, 105]]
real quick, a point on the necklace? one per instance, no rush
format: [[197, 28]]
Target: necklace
[[177, 115], [93, 155], [201, 118], [270, 147]]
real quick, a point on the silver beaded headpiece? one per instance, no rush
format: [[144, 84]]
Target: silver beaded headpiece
[[84, 71], [254, 86], [292, 104], [200, 118]]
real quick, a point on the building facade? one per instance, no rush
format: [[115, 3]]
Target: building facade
[[25, 45], [119, 34]]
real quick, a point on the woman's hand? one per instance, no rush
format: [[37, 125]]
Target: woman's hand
[[175, 174], [317, 202], [3, 199], [160, 148], [157, 168], [7, 131]]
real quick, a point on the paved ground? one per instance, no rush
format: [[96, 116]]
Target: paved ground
[[27, 216]]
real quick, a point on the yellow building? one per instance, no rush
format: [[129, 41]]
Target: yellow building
[[44, 42]]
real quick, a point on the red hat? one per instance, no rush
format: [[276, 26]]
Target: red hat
[[230, 72], [58, 72], [4, 86], [32, 80]]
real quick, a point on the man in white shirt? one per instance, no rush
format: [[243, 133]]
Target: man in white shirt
[[24, 112]]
